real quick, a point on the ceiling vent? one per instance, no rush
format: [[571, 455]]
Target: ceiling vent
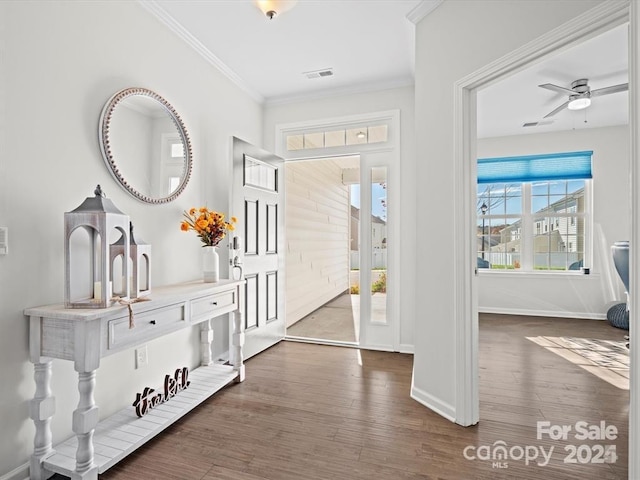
[[325, 72]]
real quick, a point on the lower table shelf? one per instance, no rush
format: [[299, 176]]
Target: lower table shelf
[[119, 435]]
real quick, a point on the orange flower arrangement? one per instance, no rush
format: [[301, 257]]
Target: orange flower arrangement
[[209, 225]]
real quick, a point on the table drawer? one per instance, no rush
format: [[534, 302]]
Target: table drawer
[[211, 305], [148, 325]]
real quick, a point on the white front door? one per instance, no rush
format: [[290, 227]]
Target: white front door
[[257, 200]]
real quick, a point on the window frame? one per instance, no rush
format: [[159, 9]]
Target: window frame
[[528, 229]]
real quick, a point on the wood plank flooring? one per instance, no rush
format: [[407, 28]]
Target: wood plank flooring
[[310, 412]]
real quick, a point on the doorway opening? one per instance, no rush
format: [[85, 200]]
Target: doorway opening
[[363, 151], [325, 225], [465, 141], [318, 207]]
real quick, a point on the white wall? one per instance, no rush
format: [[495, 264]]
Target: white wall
[[361, 103], [317, 219], [61, 61], [456, 39], [580, 296]]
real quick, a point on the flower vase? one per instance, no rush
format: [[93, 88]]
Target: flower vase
[[210, 264]]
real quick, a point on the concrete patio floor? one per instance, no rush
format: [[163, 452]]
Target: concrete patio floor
[[339, 319]]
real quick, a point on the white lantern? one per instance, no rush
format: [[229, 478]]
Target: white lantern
[[98, 217], [140, 254]]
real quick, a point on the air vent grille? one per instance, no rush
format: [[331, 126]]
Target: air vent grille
[[325, 72]]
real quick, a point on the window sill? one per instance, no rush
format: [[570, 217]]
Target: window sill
[[483, 272]]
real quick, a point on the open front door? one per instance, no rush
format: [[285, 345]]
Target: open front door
[[258, 203]]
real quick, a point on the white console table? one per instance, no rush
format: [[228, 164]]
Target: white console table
[[85, 336]]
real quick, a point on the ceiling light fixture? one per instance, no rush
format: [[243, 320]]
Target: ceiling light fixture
[[271, 8], [579, 103]]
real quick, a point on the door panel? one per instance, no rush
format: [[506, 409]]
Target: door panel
[[272, 296], [251, 226], [251, 301], [257, 194], [272, 228]]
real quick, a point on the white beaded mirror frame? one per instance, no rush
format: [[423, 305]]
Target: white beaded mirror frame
[[119, 161]]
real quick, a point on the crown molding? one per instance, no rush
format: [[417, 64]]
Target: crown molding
[[424, 8], [336, 92], [161, 14]]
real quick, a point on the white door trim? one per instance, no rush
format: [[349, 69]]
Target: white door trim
[[593, 22], [392, 147], [634, 261]]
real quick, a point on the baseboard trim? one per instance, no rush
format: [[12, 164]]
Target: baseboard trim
[[407, 348], [432, 403], [20, 473], [543, 313], [378, 348]]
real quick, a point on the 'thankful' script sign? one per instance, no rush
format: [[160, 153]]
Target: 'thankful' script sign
[[149, 398]]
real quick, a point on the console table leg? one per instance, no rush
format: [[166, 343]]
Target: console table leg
[[238, 342], [41, 409], [85, 419], [206, 338]]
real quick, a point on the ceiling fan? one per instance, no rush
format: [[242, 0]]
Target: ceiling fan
[[580, 94]]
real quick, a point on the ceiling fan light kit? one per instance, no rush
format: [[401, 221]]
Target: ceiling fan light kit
[[579, 103]]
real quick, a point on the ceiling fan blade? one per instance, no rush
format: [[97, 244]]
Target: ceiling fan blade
[[608, 90], [560, 108], [556, 88]]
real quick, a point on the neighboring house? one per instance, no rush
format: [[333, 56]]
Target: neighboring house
[[552, 234], [378, 231], [549, 227], [490, 241]]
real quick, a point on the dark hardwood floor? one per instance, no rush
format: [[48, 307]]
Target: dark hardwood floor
[[310, 412]]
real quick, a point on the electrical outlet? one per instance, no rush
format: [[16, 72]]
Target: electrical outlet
[[142, 357]]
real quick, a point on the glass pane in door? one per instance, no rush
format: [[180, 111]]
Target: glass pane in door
[[379, 244]]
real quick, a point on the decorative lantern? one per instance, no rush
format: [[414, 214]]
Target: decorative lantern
[[140, 254], [99, 217]]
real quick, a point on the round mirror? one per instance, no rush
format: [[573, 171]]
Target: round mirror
[[145, 145]]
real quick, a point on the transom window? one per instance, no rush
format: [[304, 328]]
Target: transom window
[[338, 138], [536, 223]]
